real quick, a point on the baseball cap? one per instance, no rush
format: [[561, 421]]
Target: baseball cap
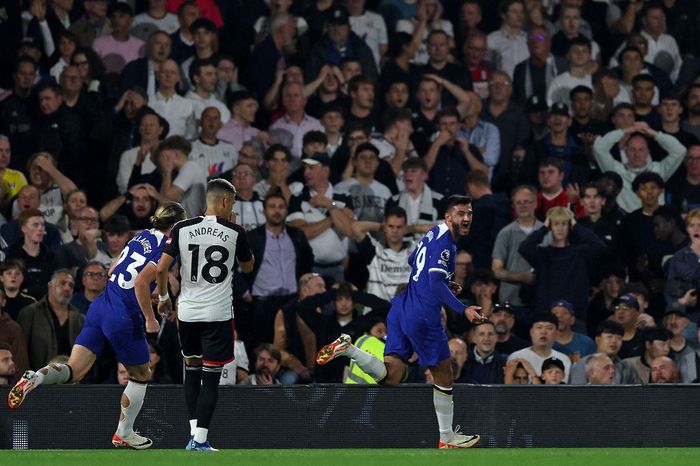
[[339, 15], [552, 362], [502, 307], [317, 158], [563, 303], [535, 104], [626, 300], [559, 108], [675, 308]]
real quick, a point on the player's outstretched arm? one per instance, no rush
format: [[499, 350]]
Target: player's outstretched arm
[[142, 289], [439, 286], [164, 303]]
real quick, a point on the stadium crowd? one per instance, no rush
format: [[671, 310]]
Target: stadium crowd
[[573, 125]]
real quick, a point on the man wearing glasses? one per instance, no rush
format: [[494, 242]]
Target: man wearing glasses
[[94, 282], [533, 75]]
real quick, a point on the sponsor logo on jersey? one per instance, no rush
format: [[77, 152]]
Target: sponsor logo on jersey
[[445, 255]]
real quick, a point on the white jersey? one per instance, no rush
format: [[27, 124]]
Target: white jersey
[[208, 247]]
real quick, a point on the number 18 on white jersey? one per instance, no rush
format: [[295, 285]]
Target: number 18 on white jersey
[[208, 247]]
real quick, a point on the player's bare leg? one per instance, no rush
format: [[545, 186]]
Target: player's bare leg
[[80, 361], [395, 370], [444, 408], [131, 403]]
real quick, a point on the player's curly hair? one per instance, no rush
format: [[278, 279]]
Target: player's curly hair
[[168, 214]]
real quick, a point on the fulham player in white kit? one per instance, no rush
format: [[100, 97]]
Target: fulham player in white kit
[[208, 247]]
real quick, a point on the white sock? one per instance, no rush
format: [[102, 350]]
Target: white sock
[[200, 434], [444, 409], [193, 426], [135, 392], [53, 374], [368, 363]]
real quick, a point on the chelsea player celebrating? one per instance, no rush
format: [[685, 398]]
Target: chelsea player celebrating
[[119, 316], [413, 324]]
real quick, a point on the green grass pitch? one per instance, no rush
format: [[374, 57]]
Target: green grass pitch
[[364, 457]]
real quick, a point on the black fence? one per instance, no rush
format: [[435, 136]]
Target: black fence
[[340, 416]]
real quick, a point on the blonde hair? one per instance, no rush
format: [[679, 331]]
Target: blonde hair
[[692, 215], [167, 214], [560, 213]]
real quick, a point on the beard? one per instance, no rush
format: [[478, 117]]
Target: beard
[[501, 328], [695, 109]]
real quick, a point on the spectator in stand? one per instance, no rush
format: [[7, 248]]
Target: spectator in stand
[[492, 212], [361, 90], [503, 319], [611, 184], [450, 156], [509, 43], [573, 344], [92, 24], [579, 73], [638, 158], [680, 350], [474, 57], [155, 18], [584, 128], [479, 133], [136, 205], [214, 156], [570, 23], [268, 58], [608, 340], [543, 334], [655, 345], [439, 65], [177, 111], [683, 274], [249, 206], [643, 96], [52, 324], [399, 57], [16, 114], [12, 180], [324, 215], [277, 161], [520, 372], [268, 362], [142, 72], [94, 278], [333, 122], [507, 264], [551, 176], [670, 110], [340, 42], [469, 20], [295, 123], [50, 20], [563, 268], [12, 279], [138, 165], [298, 47], [427, 106], [51, 183], [423, 206], [600, 307], [188, 187], [86, 247], [430, 12], [593, 202], [692, 122], [369, 26], [182, 40], [626, 312], [513, 126], [206, 47], [239, 128], [600, 369], [60, 132], [552, 372], [663, 49], [13, 348], [664, 370], [533, 76], [203, 79], [120, 47], [683, 189], [28, 198], [484, 364]]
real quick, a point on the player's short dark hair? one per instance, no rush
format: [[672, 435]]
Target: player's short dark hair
[[274, 194], [168, 214], [477, 177], [270, 348], [647, 177], [609, 326], [396, 211], [12, 263], [221, 187], [197, 65], [456, 199]]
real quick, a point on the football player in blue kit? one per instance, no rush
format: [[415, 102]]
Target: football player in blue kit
[[413, 324], [121, 316]]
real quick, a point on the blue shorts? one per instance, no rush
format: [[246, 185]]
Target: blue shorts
[[408, 332], [122, 327]]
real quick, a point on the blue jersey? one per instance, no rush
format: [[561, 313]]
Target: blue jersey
[[143, 248], [435, 253]]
